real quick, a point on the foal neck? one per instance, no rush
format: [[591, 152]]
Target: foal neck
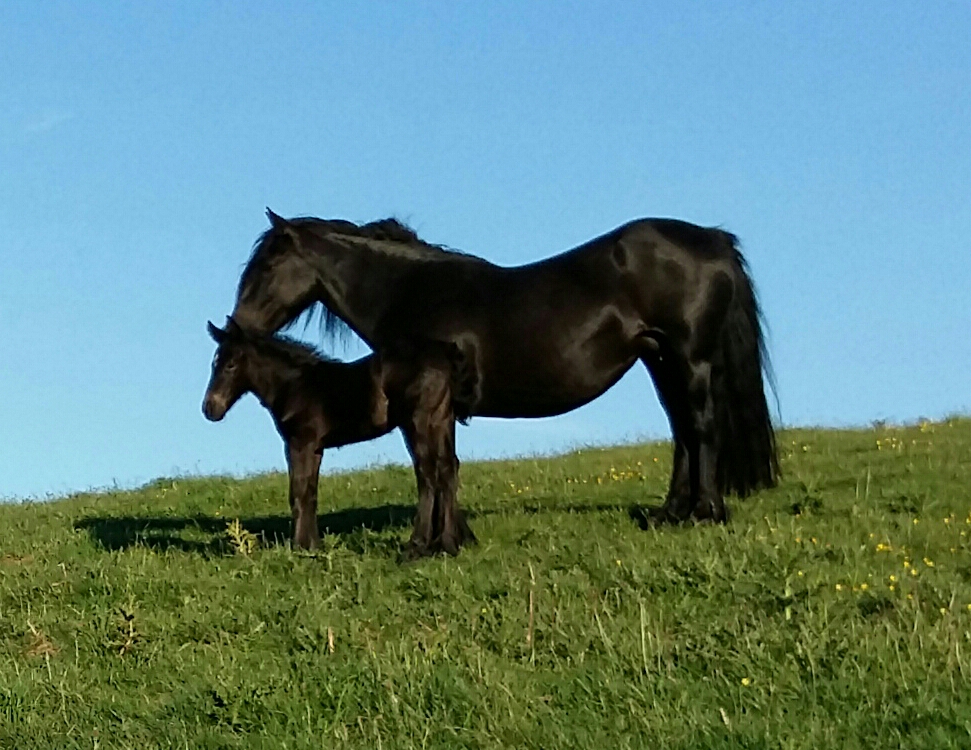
[[340, 402]]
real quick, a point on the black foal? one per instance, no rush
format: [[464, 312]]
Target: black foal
[[318, 403]]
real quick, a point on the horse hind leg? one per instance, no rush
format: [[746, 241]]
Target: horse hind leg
[[709, 503], [684, 389], [667, 372]]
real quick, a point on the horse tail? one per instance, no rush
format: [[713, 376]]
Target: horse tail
[[747, 455]]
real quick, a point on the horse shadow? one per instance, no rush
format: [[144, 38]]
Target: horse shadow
[[208, 534]]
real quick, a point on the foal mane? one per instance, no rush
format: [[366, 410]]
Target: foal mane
[[289, 350]]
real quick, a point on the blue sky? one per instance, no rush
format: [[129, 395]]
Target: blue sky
[[139, 144]]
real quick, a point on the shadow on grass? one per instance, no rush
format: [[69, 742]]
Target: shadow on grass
[[205, 534]]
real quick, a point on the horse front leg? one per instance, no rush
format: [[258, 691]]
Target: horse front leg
[[451, 527], [304, 463], [440, 524], [415, 434]]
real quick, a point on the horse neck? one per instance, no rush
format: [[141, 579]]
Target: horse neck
[[357, 279]]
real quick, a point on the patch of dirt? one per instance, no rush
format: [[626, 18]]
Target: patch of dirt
[[39, 644], [16, 559]]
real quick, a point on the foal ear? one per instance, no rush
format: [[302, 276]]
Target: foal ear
[[218, 334], [276, 221]]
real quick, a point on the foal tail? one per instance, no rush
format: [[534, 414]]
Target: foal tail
[[747, 456]]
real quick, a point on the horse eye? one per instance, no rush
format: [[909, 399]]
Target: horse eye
[[230, 365]]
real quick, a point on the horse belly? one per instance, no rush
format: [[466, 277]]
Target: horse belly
[[550, 375]]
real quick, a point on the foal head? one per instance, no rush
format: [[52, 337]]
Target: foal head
[[230, 377]]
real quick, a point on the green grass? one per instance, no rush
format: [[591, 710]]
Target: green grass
[[833, 611]]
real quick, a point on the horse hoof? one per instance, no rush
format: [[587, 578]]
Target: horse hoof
[[708, 513], [451, 543], [306, 544], [414, 551], [448, 544], [465, 535], [651, 518]]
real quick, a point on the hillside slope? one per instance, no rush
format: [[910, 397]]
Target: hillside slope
[[833, 611]]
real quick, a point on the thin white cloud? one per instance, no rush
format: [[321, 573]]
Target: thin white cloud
[[47, 121]]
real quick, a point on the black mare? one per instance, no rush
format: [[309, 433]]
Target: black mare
[[319, 403], [550, 336]]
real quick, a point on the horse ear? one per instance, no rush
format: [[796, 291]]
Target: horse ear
[[276, 221], [282, 225], [231, 325], [217, 333]]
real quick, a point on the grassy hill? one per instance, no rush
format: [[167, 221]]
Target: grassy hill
[[833, 611]]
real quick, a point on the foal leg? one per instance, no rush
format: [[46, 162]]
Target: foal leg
[[304, 460]]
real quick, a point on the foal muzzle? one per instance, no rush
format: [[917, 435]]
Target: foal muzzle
[[213, 409]]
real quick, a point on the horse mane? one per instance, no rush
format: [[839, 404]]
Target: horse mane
[[703, 241], [393, 236], [389, 236], [383, 230]]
